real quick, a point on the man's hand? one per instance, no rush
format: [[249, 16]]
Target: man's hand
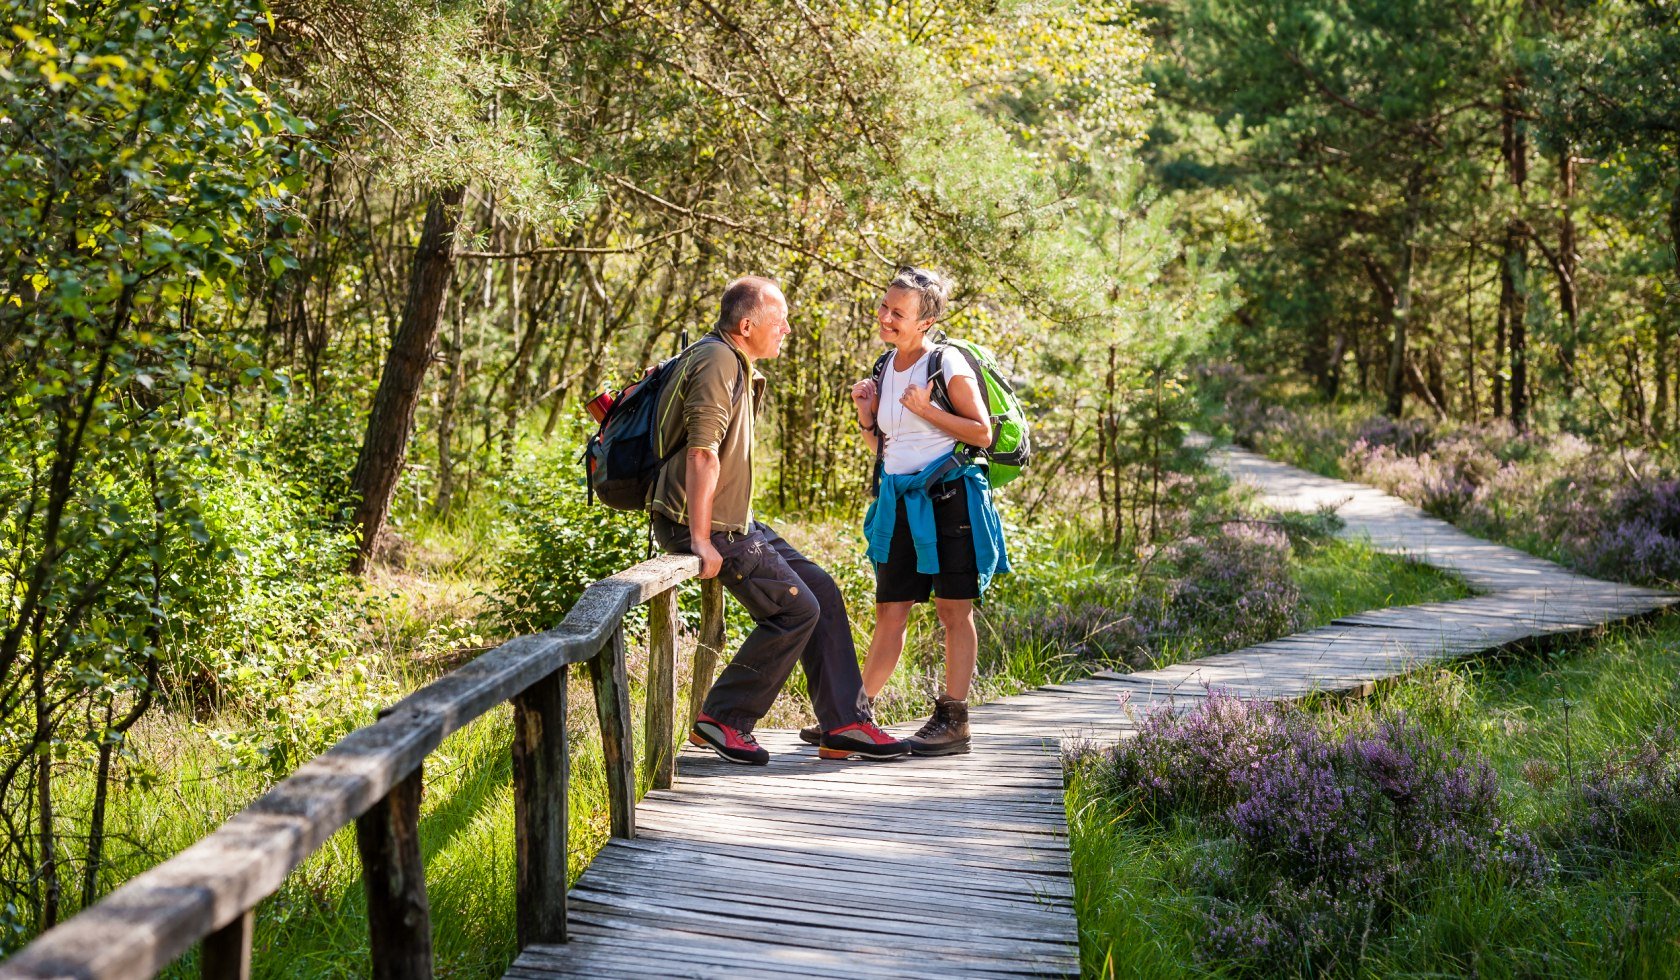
[[863, 399], [917, 398], [710, 561]]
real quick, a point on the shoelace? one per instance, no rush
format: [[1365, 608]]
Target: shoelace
[[933, 726]]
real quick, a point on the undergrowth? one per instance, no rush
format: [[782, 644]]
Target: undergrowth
[[1566, 850]]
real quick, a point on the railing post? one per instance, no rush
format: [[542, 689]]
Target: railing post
[[541, 763], [226, 954], [710, 646], [399, 919], [612, 708], [659, 766]]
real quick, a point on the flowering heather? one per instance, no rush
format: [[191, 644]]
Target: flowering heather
[[1640, 536], [1216, 591], [1633, 804], [1232, 587], [1321, 839], [1613, 514]]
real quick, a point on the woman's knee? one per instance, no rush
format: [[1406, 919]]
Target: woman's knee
[[893, 615], [954, 612]]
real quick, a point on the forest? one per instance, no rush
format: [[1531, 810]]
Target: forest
[[301, 301]]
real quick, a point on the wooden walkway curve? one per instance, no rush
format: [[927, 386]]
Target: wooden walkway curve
[[959, 867]]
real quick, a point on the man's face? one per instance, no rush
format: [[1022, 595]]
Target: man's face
[[763, 335]]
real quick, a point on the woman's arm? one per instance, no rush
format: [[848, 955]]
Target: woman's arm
[[967, 424], [867, 401]]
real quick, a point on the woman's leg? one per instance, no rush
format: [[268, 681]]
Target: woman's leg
[[962, 645], [885, 644]]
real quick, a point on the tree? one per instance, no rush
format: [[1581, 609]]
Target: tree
[[144, 170]]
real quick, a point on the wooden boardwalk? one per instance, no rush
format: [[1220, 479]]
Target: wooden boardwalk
[[958, 867]]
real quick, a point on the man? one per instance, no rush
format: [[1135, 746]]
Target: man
[[702, 504]]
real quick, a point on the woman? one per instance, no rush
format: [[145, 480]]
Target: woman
[[932, 529]]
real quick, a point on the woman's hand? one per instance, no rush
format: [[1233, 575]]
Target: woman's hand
[[863, 399], [918, 399]]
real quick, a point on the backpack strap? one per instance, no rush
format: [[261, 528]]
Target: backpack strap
[[879, 373], [941, 393], [941, 388]]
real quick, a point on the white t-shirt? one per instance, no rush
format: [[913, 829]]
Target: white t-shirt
[[912, 441]]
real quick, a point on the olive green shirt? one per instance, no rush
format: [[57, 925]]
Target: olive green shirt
[[697, 410]]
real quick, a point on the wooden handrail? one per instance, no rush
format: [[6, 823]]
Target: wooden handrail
[[372, 777]]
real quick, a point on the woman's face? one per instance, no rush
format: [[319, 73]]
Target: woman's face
[[897, 317]]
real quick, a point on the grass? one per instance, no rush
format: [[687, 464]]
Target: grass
[[1568, 707], [1342, 577], [421, 617]]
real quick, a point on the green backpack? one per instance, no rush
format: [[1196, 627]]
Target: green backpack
[[1011, 445]]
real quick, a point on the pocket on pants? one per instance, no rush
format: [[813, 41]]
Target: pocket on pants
[[753, 578], [956, 532]]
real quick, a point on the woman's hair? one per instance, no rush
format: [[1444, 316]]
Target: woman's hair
[[930, 287]]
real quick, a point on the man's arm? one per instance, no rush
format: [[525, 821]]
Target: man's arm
[[701, 484]]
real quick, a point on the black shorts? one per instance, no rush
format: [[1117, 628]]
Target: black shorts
[[896, 579]]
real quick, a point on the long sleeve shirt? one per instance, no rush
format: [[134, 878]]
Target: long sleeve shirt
[[699, 409]]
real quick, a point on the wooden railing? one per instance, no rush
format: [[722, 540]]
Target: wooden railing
[[373, 776]]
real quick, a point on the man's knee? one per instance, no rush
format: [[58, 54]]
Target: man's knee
[[803, 607]]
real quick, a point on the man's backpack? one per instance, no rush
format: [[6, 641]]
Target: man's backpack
[[1011, 446], [622, 459]]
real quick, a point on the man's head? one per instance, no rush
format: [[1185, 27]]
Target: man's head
[[754, 315]]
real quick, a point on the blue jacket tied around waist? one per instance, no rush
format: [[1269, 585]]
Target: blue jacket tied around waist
[[912, 488]]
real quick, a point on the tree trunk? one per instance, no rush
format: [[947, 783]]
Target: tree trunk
[[391, 422], [453, 354], [1435, 379], [1665, 330], [1403, 298], [1499, 347], [46, 821], [1568, 302], [1659, 379], [1473, 347], [1513, 273], [1513, 269]]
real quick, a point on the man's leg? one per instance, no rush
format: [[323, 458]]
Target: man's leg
[[781, 606], [829, 656]]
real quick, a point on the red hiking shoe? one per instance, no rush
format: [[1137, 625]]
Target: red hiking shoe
[[862, 739], [730, 744]]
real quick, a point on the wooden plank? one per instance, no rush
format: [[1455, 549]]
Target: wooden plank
[[541, 776], [226, 954], [774, 853], [394, 876], [797, 890], [659, 737], [612, 709], [827, 929], [793, 883]]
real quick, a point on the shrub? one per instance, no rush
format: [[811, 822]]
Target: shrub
[[557, 543], [1219, 590], [1632, 804], [1231, 588], [1639, 534], [1318, 840]]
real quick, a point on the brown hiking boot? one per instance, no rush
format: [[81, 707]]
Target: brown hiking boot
[[946, 733]]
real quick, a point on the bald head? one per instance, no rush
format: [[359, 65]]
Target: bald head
[[742, 300]]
